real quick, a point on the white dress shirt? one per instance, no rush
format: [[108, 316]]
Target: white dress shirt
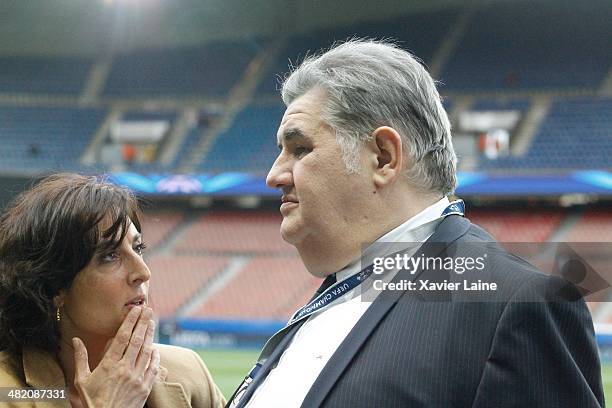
[[315, 342]]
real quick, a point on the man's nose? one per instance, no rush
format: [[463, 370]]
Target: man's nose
[[280, 174]]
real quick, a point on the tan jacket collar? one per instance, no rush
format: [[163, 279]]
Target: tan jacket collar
[[42, 370]]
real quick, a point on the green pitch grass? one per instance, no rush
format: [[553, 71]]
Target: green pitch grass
[[228, 368], [606, 374]]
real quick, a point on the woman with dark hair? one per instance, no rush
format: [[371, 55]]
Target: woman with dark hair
[[73, 304]]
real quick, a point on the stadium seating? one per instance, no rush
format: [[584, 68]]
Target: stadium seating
[[274, 265], [149, 115], [157, 226], [211, 70], [593, 226], [507, 46], [43, 75], [505, 51], [237, 233], [520, 104], [574, 135], [175, 279], [45, 138], [190, 142], [249, 144], [512, 226], [266, 288], [420, 33]]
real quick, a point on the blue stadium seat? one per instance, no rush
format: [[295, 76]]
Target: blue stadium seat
[[576, 134], [509, 45], [189, 143], [249, 144], [501, 104], [137, 115], [211, 70], [44, 75], [421, 34], [45, 138]]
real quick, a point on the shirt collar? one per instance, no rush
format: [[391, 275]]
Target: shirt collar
[[402, 233]]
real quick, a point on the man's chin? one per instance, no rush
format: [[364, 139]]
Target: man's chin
[[291, 232]]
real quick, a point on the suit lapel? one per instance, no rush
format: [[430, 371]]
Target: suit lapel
[[449, 230]]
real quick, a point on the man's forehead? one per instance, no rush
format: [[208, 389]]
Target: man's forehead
[[307, 104], [302, 112], [291, 125]]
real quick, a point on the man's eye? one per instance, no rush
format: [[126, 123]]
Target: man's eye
[[300, 151], [139, 249]]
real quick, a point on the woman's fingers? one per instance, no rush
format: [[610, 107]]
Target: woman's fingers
[[126, 374], [137, 338], [124, 334], [152, 369], [144, 357], [81, 363]]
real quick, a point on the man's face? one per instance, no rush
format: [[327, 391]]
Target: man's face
[[320, 199]]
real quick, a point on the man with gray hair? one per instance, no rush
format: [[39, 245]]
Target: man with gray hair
[[366, 158]]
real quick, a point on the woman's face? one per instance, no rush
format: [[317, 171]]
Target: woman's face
[[106, 289]]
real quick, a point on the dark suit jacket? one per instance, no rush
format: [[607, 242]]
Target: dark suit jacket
[[524, 345]]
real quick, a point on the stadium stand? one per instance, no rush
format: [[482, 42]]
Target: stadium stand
[[421, 33], [178, 278], [231, 267], [37, 138], [249, 295], [520, 104], [593, 226], [249, 144], [511, 226], [574, 135], [493, 50], [157, 226], [43, 75], [211, 70], [236, 233], [274, 264], [504, 48], [507, 46], [191, 140], [149, 115]]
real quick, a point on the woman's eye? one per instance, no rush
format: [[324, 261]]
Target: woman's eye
[[139, 249], [110, 257]]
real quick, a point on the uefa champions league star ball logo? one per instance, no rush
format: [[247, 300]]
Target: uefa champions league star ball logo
[[179, 184]]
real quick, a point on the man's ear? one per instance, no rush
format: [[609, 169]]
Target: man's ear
[[387, 145]]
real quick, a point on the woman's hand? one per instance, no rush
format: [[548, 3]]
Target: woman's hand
[[125, 375]]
